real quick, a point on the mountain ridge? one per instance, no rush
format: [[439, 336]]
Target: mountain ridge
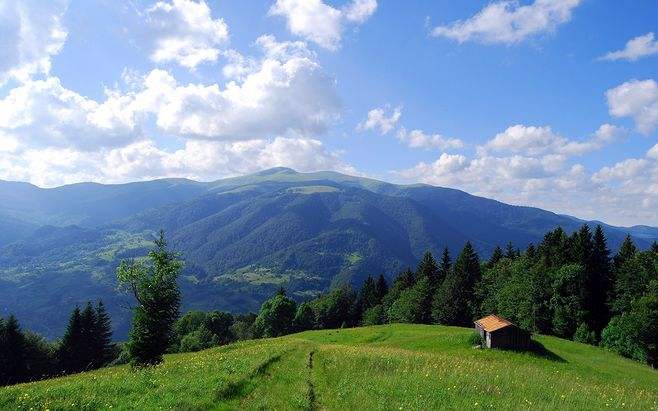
[[242, 237]]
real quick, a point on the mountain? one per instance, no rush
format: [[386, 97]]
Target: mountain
[[241, 238], [396, 366]]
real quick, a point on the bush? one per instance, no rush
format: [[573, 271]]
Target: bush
[[476, 339], [584, 335], [375, 315]]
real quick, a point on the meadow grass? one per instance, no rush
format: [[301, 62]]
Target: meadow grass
[[383, 367]]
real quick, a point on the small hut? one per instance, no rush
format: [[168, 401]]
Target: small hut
[[498, 332]]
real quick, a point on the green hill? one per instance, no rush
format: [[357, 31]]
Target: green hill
[[383, 367], [241, 238]]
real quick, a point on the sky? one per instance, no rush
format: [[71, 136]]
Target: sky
[[547, 103]]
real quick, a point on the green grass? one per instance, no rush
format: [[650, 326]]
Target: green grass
[[384, 367]]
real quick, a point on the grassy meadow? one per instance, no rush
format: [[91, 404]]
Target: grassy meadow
[[383, 367]]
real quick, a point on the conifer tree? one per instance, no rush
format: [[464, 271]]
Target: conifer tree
[[155, 288], [599, 283], [70, 348], [454, 303], [368, 294], [626, 252], [12, 352], [496, 256], [103, 339], [88, 337], [654, 247], [426, 286], [444, 266], [510, 251], [382, 288]]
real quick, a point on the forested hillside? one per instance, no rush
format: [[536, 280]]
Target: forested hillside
[[242, 238]]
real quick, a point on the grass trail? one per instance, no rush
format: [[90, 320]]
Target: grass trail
[[385, 367]]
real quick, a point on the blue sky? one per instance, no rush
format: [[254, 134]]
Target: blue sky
[[550, 103]]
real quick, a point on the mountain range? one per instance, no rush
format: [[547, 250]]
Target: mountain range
[[242, 238]]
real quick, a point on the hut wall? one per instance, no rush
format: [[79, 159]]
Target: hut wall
[[509, 337]]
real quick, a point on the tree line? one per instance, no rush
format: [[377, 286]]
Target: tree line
[[86, 345], [567, 285]]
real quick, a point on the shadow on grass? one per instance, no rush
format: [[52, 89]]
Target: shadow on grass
[[242, 387], [537, 349]]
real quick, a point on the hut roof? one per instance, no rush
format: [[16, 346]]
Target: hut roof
[[492, 323]]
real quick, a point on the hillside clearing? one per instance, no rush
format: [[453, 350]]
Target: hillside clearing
[[382, 367]]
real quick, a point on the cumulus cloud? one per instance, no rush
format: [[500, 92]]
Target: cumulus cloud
[[32, 33], [635, 49], [653, 152], [360, 10], [186, 32], [378, 119], [526, 166], [319, 22], [143, 160], [509, 22], [287, 93], [270, 116], [43, 113], [637, 99], [420, 139], [533, 140]]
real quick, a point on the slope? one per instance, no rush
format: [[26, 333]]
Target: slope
[[384, 367], [241, 238]]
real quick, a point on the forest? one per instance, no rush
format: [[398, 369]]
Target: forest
[[567, 285]]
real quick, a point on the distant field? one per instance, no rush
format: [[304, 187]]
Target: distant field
[[385, 367]]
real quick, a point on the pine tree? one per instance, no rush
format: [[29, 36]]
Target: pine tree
[[626, 252], [510, 251], [70, 348], [156, 291], [599, 283], [103, 341], [382, 288], [445, 265], [88, 341], [654, 248], [454, 303], [496, 256], [368, 295], [531, 252], [12, 352], [426, 286], [428, 268]]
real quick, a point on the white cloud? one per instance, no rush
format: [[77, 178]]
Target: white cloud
[[635, 49], [51, 135], [360, 10], [379, 120], [281, 97], [186, 32], [420, 139], [623, 194], [623, 170], [31, 33], [509, 21], [531, 166], [637, 99], [43, 113], [531, 140], [319, 22], [143, 160], [653, 152]]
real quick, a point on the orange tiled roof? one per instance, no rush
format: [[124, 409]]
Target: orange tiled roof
[[492, 323]]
